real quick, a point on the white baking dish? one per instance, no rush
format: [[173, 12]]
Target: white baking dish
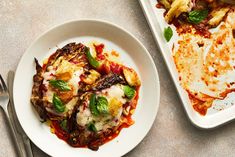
[[214, 117]]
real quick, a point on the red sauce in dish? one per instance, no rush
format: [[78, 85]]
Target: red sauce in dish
[[159, 5], [99, 51], [106, 67], [116, 68], [64, 135], [198, 105], [184, 25], [200, 109]]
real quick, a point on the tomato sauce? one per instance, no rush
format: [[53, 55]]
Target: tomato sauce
[[200, 109], [99, 51], [106, 67], [64, 135], [159, 5], [116, 68]]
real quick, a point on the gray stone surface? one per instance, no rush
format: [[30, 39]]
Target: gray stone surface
[[21, 21]]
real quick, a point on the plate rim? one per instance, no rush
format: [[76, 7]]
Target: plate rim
[[110, 24]]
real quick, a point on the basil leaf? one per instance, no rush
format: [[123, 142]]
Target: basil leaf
[[63, 125], [196, 16], [92, 105], [60, 84], [129, 91], [168, 33], [58, 104], [92, 127], [93, 62], [102, 105]]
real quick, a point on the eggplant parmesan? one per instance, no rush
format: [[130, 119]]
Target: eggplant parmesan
[[85, 96], [204, 50]]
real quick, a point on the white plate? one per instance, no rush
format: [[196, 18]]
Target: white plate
[[132, 53], [157, 23]]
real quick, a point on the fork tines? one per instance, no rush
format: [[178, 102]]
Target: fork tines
[[3, 86]]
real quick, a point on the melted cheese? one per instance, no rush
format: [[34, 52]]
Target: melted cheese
[[75, 80], [75, 73], [84, 116], [211, 67], [115, 91], [71, 104], [103, 122], [48, 95]]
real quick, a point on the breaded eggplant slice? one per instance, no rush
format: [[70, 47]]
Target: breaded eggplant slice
[[36, 97], [104, 82]]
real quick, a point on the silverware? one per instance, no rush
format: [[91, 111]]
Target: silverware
[[25, 144], [4, 100]]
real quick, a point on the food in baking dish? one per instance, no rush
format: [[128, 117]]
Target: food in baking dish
[[85, 95], [204, 50]]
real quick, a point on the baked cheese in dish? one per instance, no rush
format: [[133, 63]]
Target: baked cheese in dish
[[204, 52], [87, 98]]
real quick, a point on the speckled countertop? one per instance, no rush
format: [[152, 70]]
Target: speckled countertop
[[21, 21]]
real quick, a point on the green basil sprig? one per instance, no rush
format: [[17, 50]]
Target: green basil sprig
[[60, 84], [92, 105], [92, 127], [129, 91], [102, 105], [168, 33], [58, 104], [197, 16], [63, 124], [93, 62], [99, 105]]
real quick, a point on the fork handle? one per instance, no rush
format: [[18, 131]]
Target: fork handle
[[27, 146], [13, 132]]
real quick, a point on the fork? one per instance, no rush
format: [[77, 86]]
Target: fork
[[4, 100]]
